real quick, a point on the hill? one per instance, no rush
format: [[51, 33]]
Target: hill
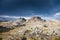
[[35, 28]]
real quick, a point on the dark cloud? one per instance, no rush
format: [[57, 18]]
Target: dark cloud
[[29, 7]]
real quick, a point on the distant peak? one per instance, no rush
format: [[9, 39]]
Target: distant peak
[[36, 18], [23, 19]]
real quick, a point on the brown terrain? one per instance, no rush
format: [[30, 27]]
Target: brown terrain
[[34, 28]]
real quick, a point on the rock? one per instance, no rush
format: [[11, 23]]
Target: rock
[[35, 18]]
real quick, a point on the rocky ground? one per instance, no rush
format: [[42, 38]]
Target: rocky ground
[[31, 29]]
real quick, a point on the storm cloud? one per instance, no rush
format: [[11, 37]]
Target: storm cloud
[[29, 7]]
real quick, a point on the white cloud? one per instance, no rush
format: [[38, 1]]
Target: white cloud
[[54, 17], [57, 14], [16, 17], [6, 16], [48, 18]]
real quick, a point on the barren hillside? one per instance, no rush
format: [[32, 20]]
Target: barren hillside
[[35, 28]]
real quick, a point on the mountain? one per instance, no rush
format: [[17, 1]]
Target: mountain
[[38, 28], [34, 28], [19, 22], [12, 23], [35, 21]]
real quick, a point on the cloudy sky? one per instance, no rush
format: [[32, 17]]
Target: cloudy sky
[[47, 9]]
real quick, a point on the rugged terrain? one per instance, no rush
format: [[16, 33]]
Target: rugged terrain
[[34, 28]]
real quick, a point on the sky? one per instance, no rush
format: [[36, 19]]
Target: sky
[[47, 9]]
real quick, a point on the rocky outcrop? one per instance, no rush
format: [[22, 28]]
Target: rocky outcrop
[[35, 18], [10, 24], [19, 22]]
